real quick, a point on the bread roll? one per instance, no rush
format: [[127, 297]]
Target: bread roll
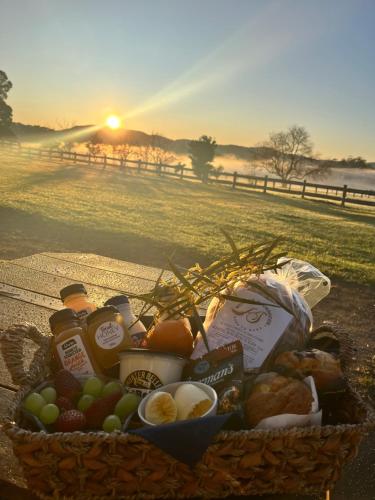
[[324, 368], [274, 394]]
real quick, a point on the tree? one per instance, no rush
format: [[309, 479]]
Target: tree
[[202, 153], [290, 155], [5, 110], [123, 151], [353, 162]]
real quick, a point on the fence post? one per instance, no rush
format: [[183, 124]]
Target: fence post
[[182, 172], [89, 159], [75, 157], [265, 184], [159, 168], [139, 166], [234, 180], [303, 188], [104, 161], [344, 195], [61, 155]]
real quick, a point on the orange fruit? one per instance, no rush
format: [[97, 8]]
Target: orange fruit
[[172, 335]]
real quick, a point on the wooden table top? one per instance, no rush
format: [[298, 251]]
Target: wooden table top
[[29, 291]]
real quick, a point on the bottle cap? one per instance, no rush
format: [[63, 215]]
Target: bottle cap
[[62, 316], [99, 311], [72, 289], [117, 300]]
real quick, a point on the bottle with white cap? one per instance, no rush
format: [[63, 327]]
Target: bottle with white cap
[[135, 326]]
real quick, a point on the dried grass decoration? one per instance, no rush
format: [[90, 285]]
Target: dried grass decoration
[[250, 266]]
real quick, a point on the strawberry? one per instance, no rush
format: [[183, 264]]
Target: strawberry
[[70, 421], [64, 404], [67, 385], [100, 409]]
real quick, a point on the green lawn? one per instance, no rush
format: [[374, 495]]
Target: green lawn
[[145, 218]]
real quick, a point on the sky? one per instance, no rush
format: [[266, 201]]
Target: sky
[[233, 69]]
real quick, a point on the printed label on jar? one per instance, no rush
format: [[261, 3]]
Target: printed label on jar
[[142, 382], [109, 335], [74, 357]]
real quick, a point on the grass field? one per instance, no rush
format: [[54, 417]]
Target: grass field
[[72, 208]]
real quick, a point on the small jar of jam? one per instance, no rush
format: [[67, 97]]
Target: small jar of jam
[[70, 347], [75, 297], [107, 335]]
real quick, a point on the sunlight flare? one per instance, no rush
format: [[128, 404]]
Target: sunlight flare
[[113, 122]]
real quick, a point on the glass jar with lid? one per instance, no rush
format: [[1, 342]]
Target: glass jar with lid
[[107, 335]]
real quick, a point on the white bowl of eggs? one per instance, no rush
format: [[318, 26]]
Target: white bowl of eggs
[[176, 402]]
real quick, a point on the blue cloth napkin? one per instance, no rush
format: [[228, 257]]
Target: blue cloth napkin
[[187, 440]]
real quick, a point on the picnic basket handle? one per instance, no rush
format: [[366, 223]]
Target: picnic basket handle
[[12, 343]]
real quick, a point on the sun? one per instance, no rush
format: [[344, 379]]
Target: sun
[[113, 122]]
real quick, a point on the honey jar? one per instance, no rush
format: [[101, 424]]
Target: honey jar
[[107, 335]]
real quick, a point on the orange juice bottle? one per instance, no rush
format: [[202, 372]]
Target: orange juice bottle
[[75, 297], [70, 346]]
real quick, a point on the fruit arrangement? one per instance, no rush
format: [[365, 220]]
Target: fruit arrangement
[[68, 404]]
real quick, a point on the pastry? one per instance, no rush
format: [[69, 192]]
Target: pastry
[[324, 368], [274, 394]]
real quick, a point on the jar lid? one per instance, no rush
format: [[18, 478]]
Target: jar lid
[[105, 309], [72, 289], [117, 300], [62, 316]]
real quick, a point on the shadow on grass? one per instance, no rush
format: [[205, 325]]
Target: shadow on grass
[[352, 213], [23, 234], [65, 172]]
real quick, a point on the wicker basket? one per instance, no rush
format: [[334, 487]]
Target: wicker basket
[[102, 466]]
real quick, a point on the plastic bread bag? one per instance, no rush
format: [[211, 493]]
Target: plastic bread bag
[[265, 314], [305, 278]]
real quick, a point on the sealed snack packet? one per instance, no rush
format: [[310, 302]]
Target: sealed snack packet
[[223, 370]]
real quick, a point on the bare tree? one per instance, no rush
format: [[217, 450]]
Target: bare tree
[[155, 151], [123, 151], [94, 149], [158, 152], [290, 155]]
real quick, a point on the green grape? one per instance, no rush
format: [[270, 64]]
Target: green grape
[[34, 403], [85, 402], [126, 405], [49, 394], [93, 386], [111, 387], [49, 414], [111, 423]]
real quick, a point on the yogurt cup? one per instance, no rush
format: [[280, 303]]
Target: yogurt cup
[[143, 370]]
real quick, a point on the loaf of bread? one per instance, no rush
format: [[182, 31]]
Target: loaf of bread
[[322, 366], [274, 394]]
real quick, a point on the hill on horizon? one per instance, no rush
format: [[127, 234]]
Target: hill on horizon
[[36, 133]]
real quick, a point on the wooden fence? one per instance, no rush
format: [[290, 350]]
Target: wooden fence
[[340, 194]]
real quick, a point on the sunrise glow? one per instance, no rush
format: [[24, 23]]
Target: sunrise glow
[[113, 122]]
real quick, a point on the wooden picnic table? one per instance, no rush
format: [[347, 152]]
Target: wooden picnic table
[[29, 291]]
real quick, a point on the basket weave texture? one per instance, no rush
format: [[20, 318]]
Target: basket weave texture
[[100, 466]]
